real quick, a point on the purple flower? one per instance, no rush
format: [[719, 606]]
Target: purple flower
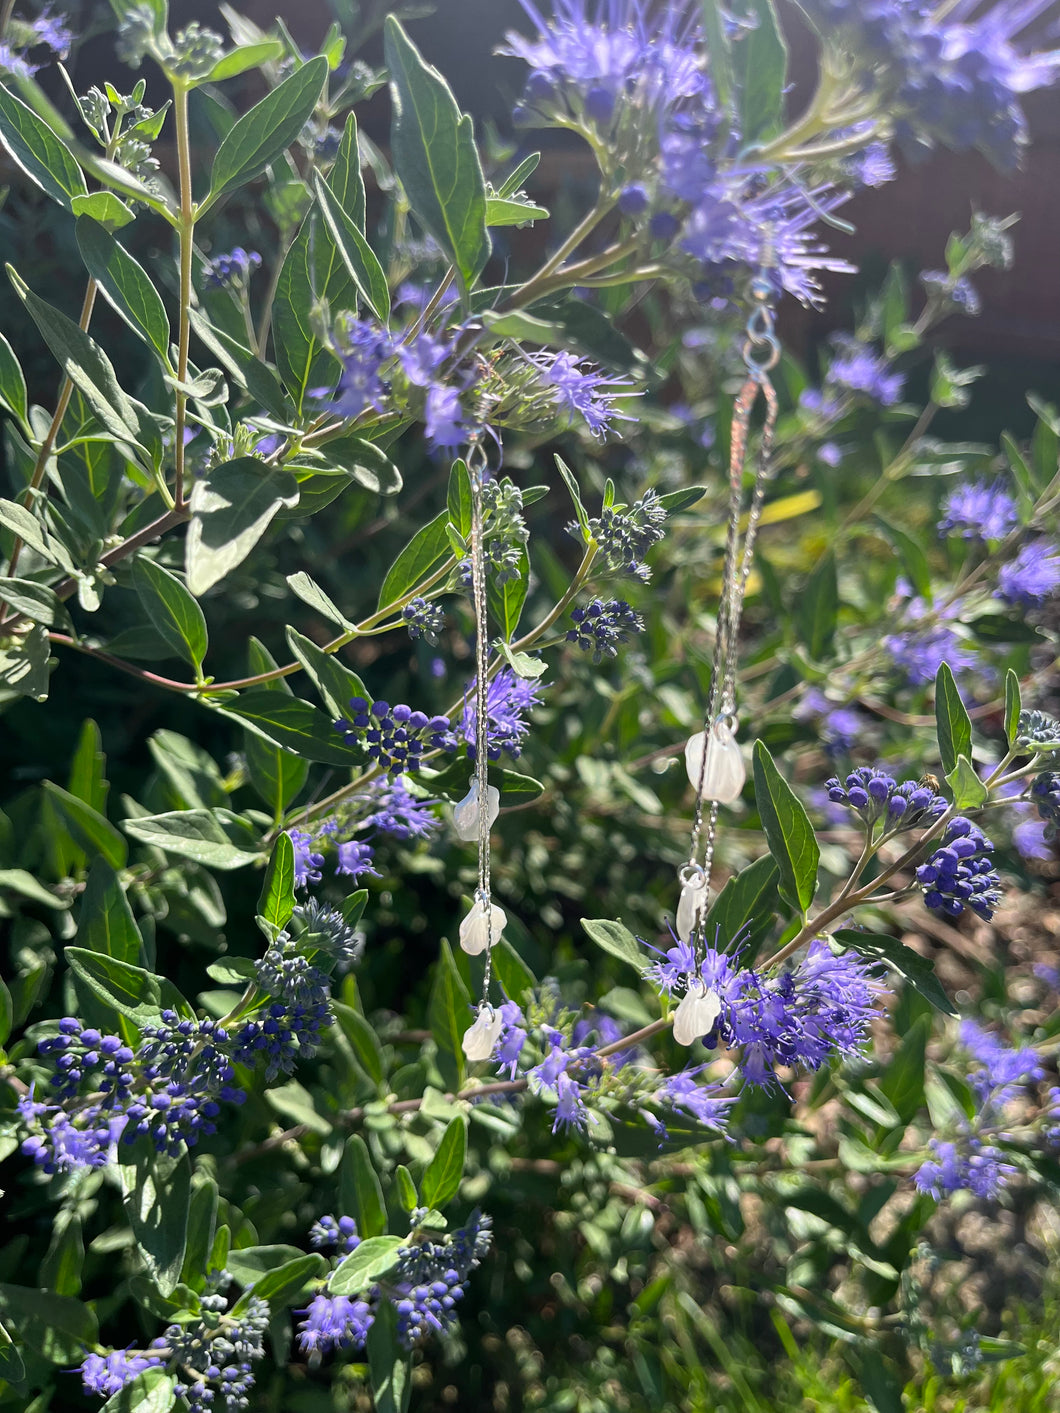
[[955, 293], [581, 390], [960, 873], [395, 737], [625, 536], [704, 1102], [354, 858], [107, 1374], [857, 369], [364, 348], [307, 863], [570, 1109], [509, 698], [970, 1164], [1000, 1071], [875, 166], [421, 359], [979, 511], [513, 1038], [398, 812], [874, 795], [446, 428], [327, 1234], [334, 1322], [920, 654], [231, 270], [601, 626], [1031, 578], [830, 454]]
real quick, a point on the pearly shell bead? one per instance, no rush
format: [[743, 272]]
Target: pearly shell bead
[[691, 907], [477, 932], [465, 813], [725, 772], [482, 1035], [696, 1013]]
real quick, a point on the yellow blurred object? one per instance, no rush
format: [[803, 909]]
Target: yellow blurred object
[[786, 508]]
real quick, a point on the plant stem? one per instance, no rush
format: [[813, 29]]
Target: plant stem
[[187, 235]]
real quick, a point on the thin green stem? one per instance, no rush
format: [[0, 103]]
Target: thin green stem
[[187, 236]]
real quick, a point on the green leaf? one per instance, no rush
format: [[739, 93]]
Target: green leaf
[[748, 897], [13, 397], [593, 333], [388, 1364], [247, 56], [294, 724], [718, 49], [345, 178], [357, 255], [18, 880], [55, 1326], [106, 923], [89, 369], [231, 508], [373, 1258], [245, 367], [93, 832], [311, 593], [512, 972], [902, 1082], [673, 501], [12, 1367], [125, 285], [363, 1039], [267, 130], [817, 611], [131, 991], [953, 724], [435, 155], [157, 1193], [917, 970], [618, 940], [24, 663], [282, 1286], [171, 609], [276, 901], [39, 151], [506, 600], [407, 1194], [64, 1260], [335, 683], [513, 211], [23, 522], [35, 601], [575, 494], [275, 774], [1013, 706], [251, 1264], [189, 770], [448, 1016], [788, 831], [760, 64], [459, 498], [423, 553], [202, 1223], [152, 1391], [454, 782], [441, 1179], [106, 208], [198, 835], [969, 792], [359, 1191]]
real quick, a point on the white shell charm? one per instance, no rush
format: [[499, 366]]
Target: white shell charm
[[482, 1035], [725, 772], [691, 906], [696, 1013], [477, 932], [465, 814]]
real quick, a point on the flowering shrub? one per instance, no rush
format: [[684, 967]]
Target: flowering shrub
[[188, 1101]]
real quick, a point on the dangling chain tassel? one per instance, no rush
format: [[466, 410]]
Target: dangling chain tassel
[[484, 923], [712, 757]]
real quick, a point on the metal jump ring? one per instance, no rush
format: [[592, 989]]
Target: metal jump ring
[[690, 873], [759, 364]]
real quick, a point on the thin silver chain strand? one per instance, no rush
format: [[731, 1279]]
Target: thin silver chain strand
[[721, 701], [476, 465]]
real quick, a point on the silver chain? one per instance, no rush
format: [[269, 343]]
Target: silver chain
[[761, 353], [476, 466]]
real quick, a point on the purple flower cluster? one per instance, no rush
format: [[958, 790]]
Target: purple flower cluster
[[423, 619], [841, 728], [386, 809], [601, 626], [580, 390], [1031, 578], [509, 700], [1045, 792], [966, 1163], [819, 1009], [327, 1234], [920, 648], [875, 795], [955, 81], [960, 873], [855, 368], [231, 270], [430, 1277], [107, 1374], [955, 294], [396, 737], [979, 511], [24, 36]]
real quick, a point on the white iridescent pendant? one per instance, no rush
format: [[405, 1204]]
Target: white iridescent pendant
[[479, 931], [482, 1035], [696, 1013], [465, 813], [691, 906], [725, 773]]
